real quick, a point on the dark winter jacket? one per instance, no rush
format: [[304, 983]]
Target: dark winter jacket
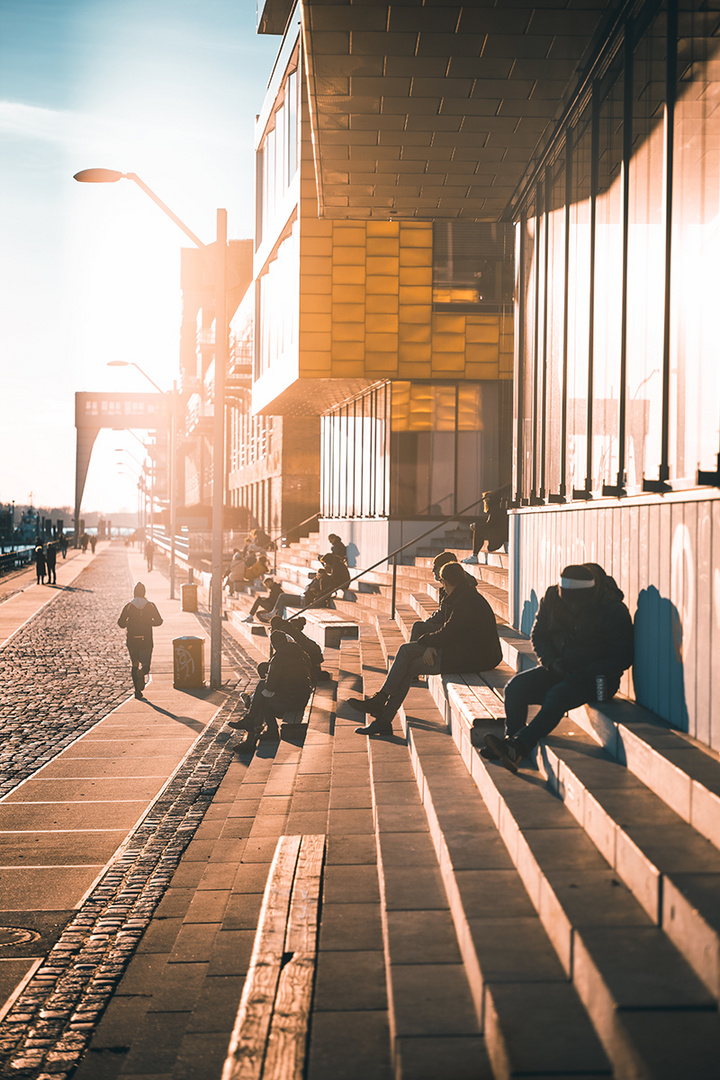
[[468, 638], [335, 573], [288, 674], [596, 640], [139, 617]]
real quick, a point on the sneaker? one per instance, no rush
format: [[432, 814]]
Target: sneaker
[[471, 560], [248, 618], [138, 694], [246, 699], [264, 616], [507, 751], [377, 727]]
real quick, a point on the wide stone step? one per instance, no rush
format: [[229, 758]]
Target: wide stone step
[[672, 871], [455, 877], [638, 988]]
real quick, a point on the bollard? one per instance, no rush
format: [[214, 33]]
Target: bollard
[[189, 597]]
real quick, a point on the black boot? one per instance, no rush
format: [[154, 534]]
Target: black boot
[[379, 726]]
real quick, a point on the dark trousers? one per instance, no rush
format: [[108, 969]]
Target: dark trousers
[[52, 580], [556, 696], [408, 663], [140, 657], [262, 602], [267, 710]]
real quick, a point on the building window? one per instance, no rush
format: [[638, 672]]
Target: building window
[[450, 442], [473, 266], [354, 475], [629, 369]]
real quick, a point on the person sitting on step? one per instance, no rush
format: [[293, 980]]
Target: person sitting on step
[[435, 621], [294, 629], [265, 603], [284, 686], [583, 638], [466, 640]]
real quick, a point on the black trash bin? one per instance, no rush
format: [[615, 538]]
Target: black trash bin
[[189, 597], [188, 662]]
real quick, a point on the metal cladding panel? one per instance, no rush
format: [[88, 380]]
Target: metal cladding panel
[[470, 79], [665, 556]]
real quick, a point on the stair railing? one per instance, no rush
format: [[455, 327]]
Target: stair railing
[[393, 555]]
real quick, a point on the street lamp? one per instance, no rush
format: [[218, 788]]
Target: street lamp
[[171, 464], [111, 176]]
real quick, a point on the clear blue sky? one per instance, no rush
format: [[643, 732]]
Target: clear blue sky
[[168, 89]]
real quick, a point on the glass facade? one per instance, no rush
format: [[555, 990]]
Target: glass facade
[[417, 449], [355, 467], [619, 380], [277, 156]]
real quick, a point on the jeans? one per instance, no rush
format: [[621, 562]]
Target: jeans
[[408, 663], [140, 657], [554, 693], [262, 602]]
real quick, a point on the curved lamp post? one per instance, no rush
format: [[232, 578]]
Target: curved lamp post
[[111, 176]]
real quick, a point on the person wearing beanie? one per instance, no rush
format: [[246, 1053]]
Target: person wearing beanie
[[138, 618], [467, 640], [435, 621], [583, 638], [285, 686]]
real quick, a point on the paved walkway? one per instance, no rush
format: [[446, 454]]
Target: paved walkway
[[83, 761]]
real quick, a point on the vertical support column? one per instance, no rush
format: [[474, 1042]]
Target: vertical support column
[[221, 355], [171, 479]]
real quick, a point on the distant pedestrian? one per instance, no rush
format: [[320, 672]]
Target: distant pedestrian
[[93, 542], [84, 541], [51, 561], [149, 554], [138, 618], [40, 565], [63, 545]]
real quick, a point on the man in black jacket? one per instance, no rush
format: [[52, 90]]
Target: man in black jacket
[[466, 640], [138, 618], [435, 621], [285, 685], [583, 637]]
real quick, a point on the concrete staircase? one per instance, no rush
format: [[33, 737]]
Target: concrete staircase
[[561, 922]]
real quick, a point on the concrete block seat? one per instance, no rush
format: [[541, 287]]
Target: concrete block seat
[[623, 890]]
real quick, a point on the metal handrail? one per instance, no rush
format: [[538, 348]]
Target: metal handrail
[[393, 555]]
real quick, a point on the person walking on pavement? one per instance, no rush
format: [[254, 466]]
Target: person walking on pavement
[[466, 640], [40, 563], [149, 554], [51, 562], [583, 637], [138, 618]]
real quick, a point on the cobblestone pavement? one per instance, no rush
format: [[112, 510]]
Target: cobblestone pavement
[[47, 1029], [64, 670]]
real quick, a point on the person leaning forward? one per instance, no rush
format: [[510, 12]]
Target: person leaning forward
[[138, 618], [466, 640], [583, 638]]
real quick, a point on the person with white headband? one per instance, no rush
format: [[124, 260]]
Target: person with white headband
[[583, 638]]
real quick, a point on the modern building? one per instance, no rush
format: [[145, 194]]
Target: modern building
[[387, 341], [590, 131]]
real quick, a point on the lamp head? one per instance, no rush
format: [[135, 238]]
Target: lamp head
[[98, 176], [118, 363]]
